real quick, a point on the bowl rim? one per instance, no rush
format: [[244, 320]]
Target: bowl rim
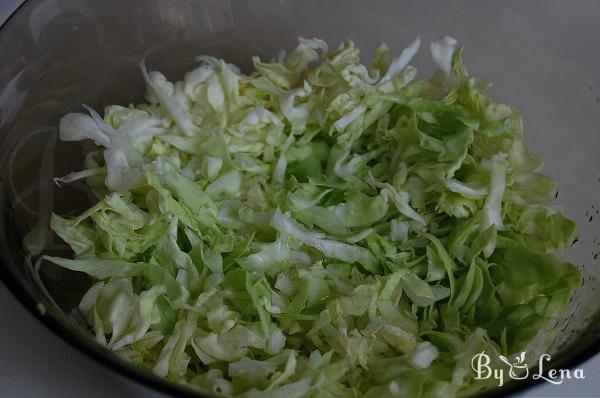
[[108, 360]]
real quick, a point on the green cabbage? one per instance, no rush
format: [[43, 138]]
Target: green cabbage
[[317, 228]]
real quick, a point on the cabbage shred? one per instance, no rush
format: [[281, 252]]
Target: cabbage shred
[[317, 228]]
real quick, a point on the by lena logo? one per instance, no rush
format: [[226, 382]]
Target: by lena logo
[[518, 369]]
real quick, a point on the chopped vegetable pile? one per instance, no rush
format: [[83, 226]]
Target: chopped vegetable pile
[[317, 228]]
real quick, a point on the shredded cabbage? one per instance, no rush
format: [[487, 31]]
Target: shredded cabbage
[[317, 228]]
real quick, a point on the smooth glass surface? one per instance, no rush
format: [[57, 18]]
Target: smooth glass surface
[[57, 54]]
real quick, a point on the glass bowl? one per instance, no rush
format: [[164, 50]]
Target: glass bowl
[[57, 54]]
